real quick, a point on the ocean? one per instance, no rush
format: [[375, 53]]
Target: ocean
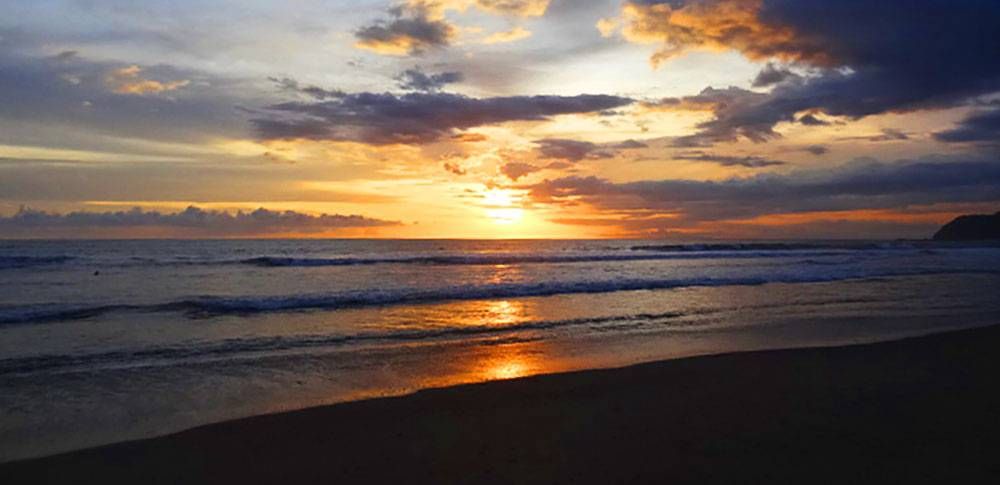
[[105, 341]]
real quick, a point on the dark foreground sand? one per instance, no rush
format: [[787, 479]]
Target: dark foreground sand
[[923, 410]]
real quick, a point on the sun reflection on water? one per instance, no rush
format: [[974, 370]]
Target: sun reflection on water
[[503, 312], [508, 368]]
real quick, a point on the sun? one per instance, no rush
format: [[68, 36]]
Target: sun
[[501, 206]]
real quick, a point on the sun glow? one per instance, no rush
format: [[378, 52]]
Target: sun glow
[[501, 206]]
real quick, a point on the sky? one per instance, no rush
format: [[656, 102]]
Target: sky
[[678, 119]]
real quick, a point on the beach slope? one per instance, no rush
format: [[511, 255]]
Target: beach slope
[[922, 410]]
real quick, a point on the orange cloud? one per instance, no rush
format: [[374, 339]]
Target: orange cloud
[[127, 81], [512, 35], [713, 25], [469, 137]]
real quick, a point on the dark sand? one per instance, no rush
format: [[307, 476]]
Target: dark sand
[[923, 410]]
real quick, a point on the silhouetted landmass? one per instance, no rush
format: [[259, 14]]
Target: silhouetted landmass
[[922, 410], [971, 228]]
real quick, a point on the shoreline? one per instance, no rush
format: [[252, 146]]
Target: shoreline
[[921, 409]]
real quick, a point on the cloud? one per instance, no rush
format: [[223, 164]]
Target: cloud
[[572, 150], [576, 150], [469, 137], [729, 106], [454, 168], [416, 80], [414, 27], [192, 221], [521, 8], [607, 26], [512, 35], [887, 134], [629, 145], [772, 74], [730, 161], [408, 31], [865, 58], [414, 118], [513, 8], [293, 86], [126, 80], [983, 126], [516, 170], [855, 186], [67, 56], [709, 99], [64, 101], [678, 27], [816, 149], [810, 119]]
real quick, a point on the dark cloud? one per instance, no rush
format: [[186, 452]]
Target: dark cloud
[[983, 126], [709, 99], [417, 80], [415, 118], [730, 106], [573, 150], [817, 149], [291, 85], [576, 150], [810, 119], [629, 145], [66, 56], [730, 161], [859, 185], [408, 31], [888, 134], [191, 221], [868, 57], [772, 74]]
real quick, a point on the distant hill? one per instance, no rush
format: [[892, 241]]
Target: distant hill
[[970, 228]]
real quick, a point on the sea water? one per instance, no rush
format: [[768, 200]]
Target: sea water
[[104, 341]]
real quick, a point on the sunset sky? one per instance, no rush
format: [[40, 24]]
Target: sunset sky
[[497, 118]]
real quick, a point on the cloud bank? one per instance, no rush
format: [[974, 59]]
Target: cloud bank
[[192, 221], [859, 185]]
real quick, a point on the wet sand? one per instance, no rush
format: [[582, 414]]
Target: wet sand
[[922, 410]]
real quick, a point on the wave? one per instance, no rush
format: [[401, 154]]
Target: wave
[[794, 246], [924, 245], [504, 259], [442, 260], [211, 306], [603, 254], [16, 262], [256, 345]]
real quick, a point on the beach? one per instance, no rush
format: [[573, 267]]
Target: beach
[[918, 410]]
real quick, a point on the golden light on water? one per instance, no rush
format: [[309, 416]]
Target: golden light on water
[[504, 312], [508, 369]]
